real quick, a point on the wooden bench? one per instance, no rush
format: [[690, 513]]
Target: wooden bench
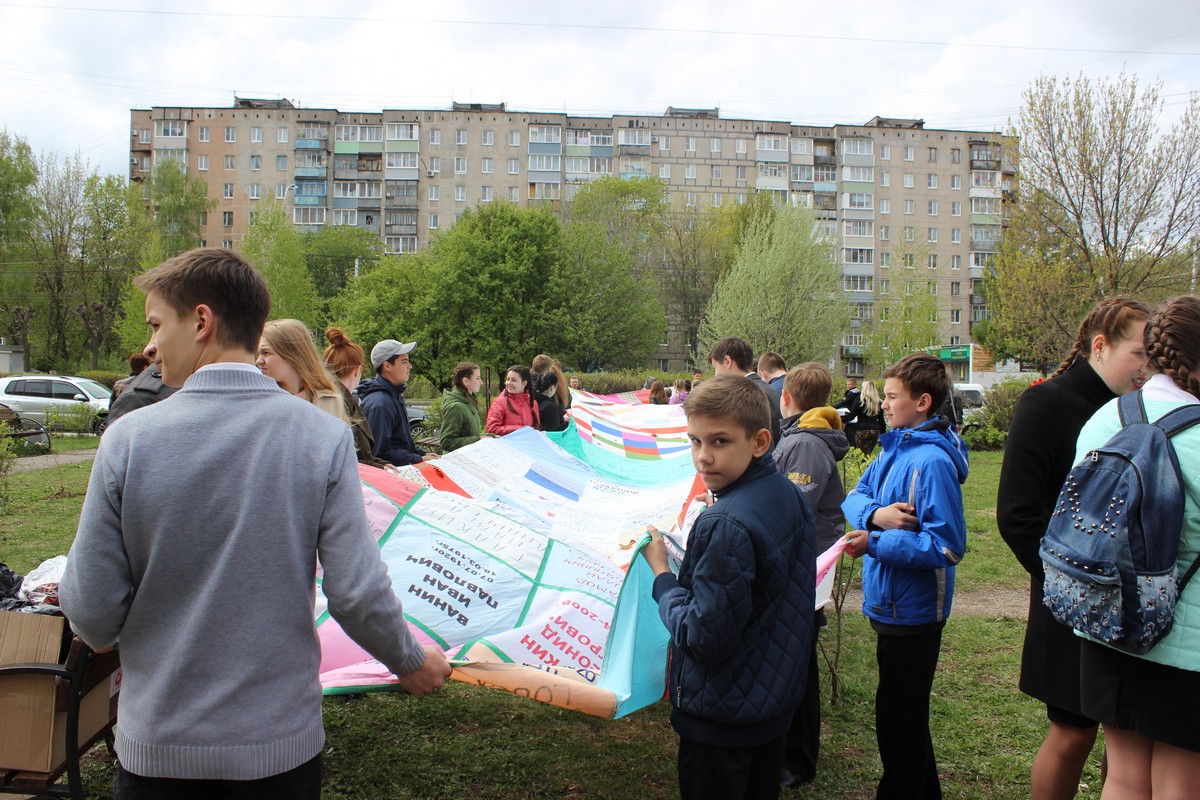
[[82, 671], [15, 427]]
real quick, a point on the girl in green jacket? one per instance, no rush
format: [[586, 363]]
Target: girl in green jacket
[[460, 414]]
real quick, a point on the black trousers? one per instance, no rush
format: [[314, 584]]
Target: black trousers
[[729, 773], [804, 736], [301, 783], [906, 667]]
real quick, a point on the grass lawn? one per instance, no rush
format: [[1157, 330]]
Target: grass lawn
[[469, 742]]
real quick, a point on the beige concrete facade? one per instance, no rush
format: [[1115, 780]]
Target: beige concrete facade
[[884, 188]]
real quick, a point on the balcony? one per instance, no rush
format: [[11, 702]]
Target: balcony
[[830, 160], [400, 230], [310, 172], [984, 245], [978, 300], [309, 200], [852, 351], [312, 144]]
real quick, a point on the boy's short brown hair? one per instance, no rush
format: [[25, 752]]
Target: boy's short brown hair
[[738, 350], [809, 385], [923, 374], [731, 397], [220, 279], [771, 361]]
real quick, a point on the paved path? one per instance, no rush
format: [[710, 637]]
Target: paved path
[[55, 459]]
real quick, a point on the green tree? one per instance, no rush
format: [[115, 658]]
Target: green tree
[[18, 211], [388, 302], [334, 255], [630, 211], [783, 292], [696, 248], [179, 203], [275, 248], [904, 315], [1109, 203]]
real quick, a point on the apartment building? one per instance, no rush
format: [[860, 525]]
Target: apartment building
[[886, 188]]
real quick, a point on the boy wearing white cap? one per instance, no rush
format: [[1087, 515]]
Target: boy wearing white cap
[[382, 399]]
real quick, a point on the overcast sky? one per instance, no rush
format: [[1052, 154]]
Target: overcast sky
[[71, 70]]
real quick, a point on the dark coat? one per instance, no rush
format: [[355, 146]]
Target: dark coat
[[740, 614], [387, 414], [1039, 453], [145, 389], [773, 399]]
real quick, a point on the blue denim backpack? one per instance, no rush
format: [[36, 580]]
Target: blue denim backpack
[[1112, 542]]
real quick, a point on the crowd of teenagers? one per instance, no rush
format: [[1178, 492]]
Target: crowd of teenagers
[[166, 497]]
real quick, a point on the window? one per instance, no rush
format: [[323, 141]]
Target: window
[[255, 191], [866, 174], [230, 134], [435, 164], [741, 176], [576, 164], [862, 310], [460, 165], [885, 260], [168, 127], [664, 171], [402, 160], [857, 147], [544, 163], [485, 166], [624, 136], [955, 316], [955, 155], [552, 134], [955, 235], [802, 172], [345, 216], [400, 244], [885, 286], [433, 222], [514, 166], [255, 162], [909, 180], [933, 264], [885, 233], [955, 288], [227, 191], [716, 172], [281, 191], [716, 200], [281, 163], [514, 138], [281, 135], [435, 192], [985, 178], [488, 138], [435, 135], [485, 194], [460, 136], [933, 234], [514, 194], [955, 262], [202, 163], [689, 144], [802, 146], [955, 181], [229, 162], [985, 205], [931, 181], [885, 206], [858, 255], [824, 173], [771, 170], [203, 134], [956, 209], [885, 178], [690, 200], [933, 208], [689, 172], [768, 141], [714, 146], [403, 131], [601, 139], [256, 135], [227, 244], [543, 191], [858, 227], [910, 207], [860, 200], [578, 137], [226, 218], [910, 233], [739, 146], [908, 153], [601, 166], [664, 144], [858, 283], [933, 155], [460, 194], [885, 152]]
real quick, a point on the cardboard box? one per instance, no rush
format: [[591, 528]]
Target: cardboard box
[[32, 709]]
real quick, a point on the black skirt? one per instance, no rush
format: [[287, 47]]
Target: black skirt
[[1157, 701]]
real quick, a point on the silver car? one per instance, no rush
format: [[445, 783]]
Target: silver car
[[45, 397]]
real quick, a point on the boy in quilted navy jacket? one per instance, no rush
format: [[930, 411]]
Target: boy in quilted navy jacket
[[908, 509], [740, 614]]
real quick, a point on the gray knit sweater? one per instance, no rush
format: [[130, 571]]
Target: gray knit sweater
[[197, 551]]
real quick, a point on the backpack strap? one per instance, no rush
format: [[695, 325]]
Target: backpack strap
[[1131, 409], [1180, 419]]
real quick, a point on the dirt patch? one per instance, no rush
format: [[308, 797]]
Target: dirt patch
[[28, 463], [996, 603]]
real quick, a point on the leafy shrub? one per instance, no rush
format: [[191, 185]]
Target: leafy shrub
[[984, 437], [999, 404], [627, 380], [104, 377], [75, 418]]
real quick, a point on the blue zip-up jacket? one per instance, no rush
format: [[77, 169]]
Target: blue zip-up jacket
[[740, 614], [387, 414], [908, 576]]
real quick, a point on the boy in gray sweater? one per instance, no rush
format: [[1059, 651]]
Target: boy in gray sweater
[[198, 548]]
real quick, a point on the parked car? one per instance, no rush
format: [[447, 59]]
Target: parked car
[[41, 397], [972, 396]]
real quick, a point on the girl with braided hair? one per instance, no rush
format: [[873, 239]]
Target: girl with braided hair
[[1107, 360], [515, 407], [1149, 705]]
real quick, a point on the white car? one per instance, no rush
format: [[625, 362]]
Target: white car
[[38, 397]]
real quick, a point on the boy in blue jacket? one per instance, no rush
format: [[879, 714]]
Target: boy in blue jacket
[[740, 614], [909, 514]]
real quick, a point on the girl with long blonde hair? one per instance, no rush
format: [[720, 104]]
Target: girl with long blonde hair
[[287, 354]]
